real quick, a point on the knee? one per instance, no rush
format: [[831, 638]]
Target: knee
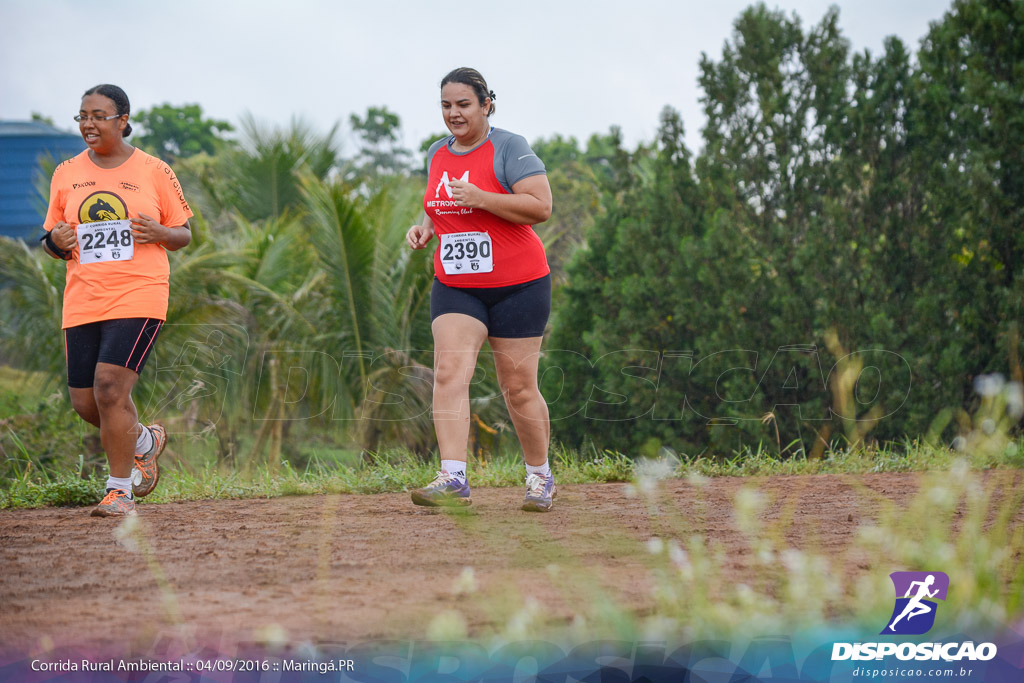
[[85, 408], [108, 392], [521, 391], [451, 376]]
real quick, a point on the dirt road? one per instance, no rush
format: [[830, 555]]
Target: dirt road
[[344, 568]]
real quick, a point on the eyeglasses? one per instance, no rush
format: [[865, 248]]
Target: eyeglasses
[[97, 119]]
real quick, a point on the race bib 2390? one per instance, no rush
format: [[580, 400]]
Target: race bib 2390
[[464, 253]]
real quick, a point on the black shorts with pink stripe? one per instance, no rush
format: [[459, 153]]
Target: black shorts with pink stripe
[[125, 341]]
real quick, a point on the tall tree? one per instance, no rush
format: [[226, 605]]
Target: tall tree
[[380, 153], [968, 130], [621, 308], [706, 306], [575, 187], [179, 132], [259, 178]]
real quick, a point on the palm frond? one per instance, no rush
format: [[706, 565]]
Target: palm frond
[[31, 287], [346, 248]]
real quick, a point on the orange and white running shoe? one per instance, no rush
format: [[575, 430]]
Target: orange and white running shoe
[[146, 472], [115, 504]]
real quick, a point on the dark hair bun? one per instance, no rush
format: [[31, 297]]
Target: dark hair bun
[[474, 80]]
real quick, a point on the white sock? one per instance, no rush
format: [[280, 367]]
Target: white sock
[[145, 442], [543, 470], [123, 484], [456, 468]]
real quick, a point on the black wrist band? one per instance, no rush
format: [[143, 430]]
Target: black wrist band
[[47, 239]]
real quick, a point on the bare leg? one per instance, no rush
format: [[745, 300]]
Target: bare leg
[[457, 342], [84, 403], [909, 609], [516, 361], [118, 419], [922, 609]]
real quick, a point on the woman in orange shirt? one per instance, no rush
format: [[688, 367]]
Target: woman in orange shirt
[[113, 212]]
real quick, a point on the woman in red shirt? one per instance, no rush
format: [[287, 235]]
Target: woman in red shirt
[[485, 190]]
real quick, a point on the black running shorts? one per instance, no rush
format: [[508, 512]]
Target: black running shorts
[[513, 312], [124, 341]]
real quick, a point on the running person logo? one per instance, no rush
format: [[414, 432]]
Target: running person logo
[[102, 206], [914, 613]]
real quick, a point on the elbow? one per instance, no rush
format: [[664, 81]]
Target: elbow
[[543, 212], [179, 242]]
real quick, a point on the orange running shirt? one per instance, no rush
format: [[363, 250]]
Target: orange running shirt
[[82, 192]]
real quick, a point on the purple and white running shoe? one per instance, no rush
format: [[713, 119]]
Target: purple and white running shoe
[[445, 490], [540, 493]]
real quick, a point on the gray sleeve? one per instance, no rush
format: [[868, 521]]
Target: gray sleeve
[[514, 160], [432, 151]]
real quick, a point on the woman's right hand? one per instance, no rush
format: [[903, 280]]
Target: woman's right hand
[[63, 235], [418, 236]]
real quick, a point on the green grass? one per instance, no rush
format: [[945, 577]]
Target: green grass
[[29, 484], [392, 471], [50, 457]]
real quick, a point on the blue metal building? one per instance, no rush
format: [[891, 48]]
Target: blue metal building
[[22, 145]]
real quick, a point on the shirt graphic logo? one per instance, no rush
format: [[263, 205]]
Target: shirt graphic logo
[[447, 188], [102, 206], [914, 613]]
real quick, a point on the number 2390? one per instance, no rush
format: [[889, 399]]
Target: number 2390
[[461, 250]]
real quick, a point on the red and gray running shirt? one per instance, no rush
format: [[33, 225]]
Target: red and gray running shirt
[[495, 166]]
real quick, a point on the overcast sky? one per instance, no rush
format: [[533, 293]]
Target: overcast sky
[[573, 68]]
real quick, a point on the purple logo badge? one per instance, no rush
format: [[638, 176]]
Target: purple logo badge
[[916, 592]]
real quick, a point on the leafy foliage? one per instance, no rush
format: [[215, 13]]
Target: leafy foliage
[[835, 263], [841, 262], [258, 180], [380, 153], [174, 133]]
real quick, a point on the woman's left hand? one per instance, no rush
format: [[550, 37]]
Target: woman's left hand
[[148, 231], [467, 194]]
